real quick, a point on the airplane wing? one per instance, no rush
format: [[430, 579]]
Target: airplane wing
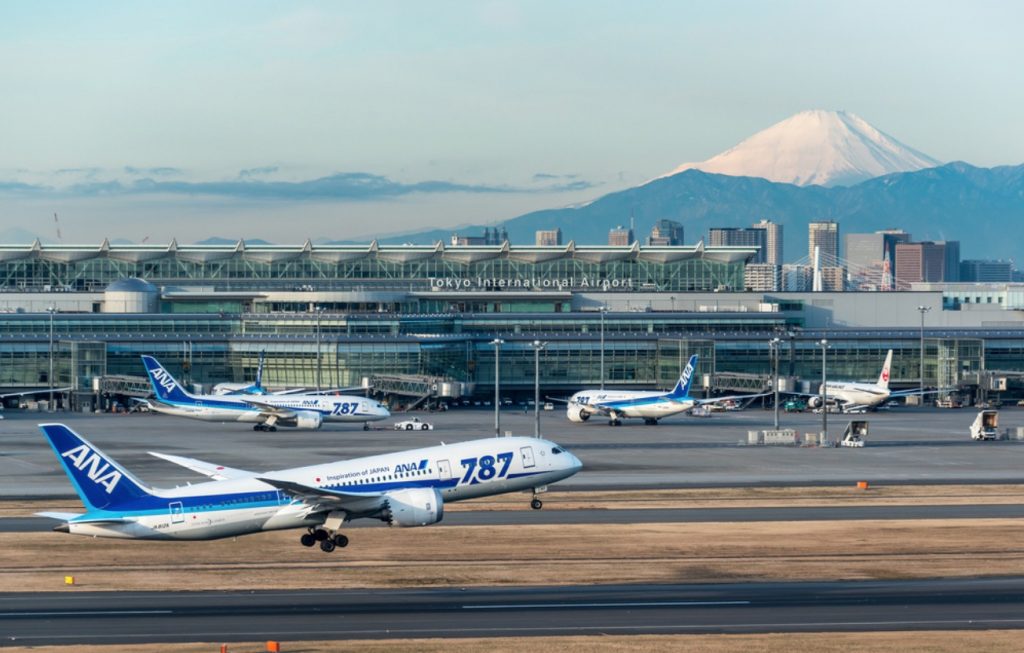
[[320, 499], [216, 472], [270, 409], [35, 392], [326, 391], [907, 393], [561, 400]]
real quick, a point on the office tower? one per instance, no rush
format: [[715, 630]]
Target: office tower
[[916, 262], [772, 241], [825, 236], [736, 237], [666, 233], [549, 237], [621, 236]]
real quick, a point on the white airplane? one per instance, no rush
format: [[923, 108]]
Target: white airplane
[[851, 396], [302, 411], [649, 406], [406, 488]]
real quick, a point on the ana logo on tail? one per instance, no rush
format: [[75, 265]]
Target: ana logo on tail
[[164, 378], [105, 476]]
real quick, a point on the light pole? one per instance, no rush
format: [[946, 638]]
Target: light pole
[[602, 310], [922, 310], [319, 312], [497, 342], [537, 346], [49, 377], [773, 345], [824, 393]]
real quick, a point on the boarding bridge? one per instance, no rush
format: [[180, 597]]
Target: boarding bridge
[[413, 385], [122, 384], [738, 382]]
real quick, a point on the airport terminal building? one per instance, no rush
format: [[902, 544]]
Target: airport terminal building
[[425, 317]]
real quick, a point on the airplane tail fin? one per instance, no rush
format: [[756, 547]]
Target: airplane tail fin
[[258, 385], [682, 389], [164, 385], [100, 482], [883, 378]]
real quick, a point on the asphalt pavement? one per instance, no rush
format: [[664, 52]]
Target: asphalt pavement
[[168, 617]]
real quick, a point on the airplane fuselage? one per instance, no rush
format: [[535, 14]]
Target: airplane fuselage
[[241, 506], [230, 408], [856, 394], [645, 405]]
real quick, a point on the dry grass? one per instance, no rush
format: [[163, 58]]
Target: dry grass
[[991, 641], [571, 554], [894, 495]]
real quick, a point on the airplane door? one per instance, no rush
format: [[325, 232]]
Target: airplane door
[[444, 470], [527, 453], [177, 512]]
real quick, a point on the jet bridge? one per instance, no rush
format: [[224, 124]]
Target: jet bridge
[[413, 385]]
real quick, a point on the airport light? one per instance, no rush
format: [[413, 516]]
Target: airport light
[[824, 393], [922, 310], [497, 342], [49, 379], [537, 346], [773, 346], [602, 311]]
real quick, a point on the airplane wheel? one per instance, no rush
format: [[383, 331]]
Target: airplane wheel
[[651, 422], [366, 426], [327, 546], [536, 504], [273, 429], [257, 427], [321, 535], [307, 539], [340, 541]]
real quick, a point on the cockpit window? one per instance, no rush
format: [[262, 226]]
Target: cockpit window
[[556, 450]]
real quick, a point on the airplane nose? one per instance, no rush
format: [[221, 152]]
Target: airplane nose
[[575, 463]]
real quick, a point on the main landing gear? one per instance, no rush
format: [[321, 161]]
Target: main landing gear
[[366, 426], [328, 541], [264, 427], [536, 504], [650, 421]]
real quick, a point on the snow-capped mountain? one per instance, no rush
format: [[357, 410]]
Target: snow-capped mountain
[[827, 148]]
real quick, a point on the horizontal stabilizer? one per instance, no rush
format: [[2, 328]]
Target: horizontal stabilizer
[[314, 495], [79, 518]]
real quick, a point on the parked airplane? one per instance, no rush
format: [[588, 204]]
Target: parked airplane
[[254, 388], [303, 411], [407, 488], [851, 396], [650, 406]]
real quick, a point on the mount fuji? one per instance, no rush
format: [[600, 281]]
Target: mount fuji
[[824, 148]]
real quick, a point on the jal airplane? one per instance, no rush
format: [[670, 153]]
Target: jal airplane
[[860, 396], [406, 488], [649, 406], [266, 412]]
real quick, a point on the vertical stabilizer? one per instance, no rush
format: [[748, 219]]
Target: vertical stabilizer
[[164, 385], [883, 378], [682, 389], [100, 482]]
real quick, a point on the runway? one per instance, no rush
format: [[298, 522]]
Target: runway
[[659, 515], [166, 617]]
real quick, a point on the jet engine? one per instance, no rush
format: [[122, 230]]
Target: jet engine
[[413, 507], [814, 402], [304, 419], [576, 413]]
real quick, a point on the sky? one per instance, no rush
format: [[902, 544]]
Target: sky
[[351, 120]]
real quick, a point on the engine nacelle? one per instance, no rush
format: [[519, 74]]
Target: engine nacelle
[[576, 413], [419, 506], [814, 402], [304, 419]]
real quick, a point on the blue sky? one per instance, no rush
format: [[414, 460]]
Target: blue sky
[[344, 120]]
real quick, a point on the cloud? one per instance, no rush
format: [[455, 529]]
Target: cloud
[[257, 172], [347, 186], [163, 171]]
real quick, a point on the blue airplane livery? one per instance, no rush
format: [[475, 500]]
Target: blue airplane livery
[[406, 488], [265, 411]]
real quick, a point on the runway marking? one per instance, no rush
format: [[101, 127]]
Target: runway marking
[[631, 604], [78, 613]]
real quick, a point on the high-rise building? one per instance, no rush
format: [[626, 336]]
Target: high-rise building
[[986, 271], [833, 278], [925, 261], [490, 237], [796, 278], [738, 237], [762, 277], [549, 237], [621, 236], [825, 236], [872, 257], [666, 233], [952, 267], [772, 241]]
